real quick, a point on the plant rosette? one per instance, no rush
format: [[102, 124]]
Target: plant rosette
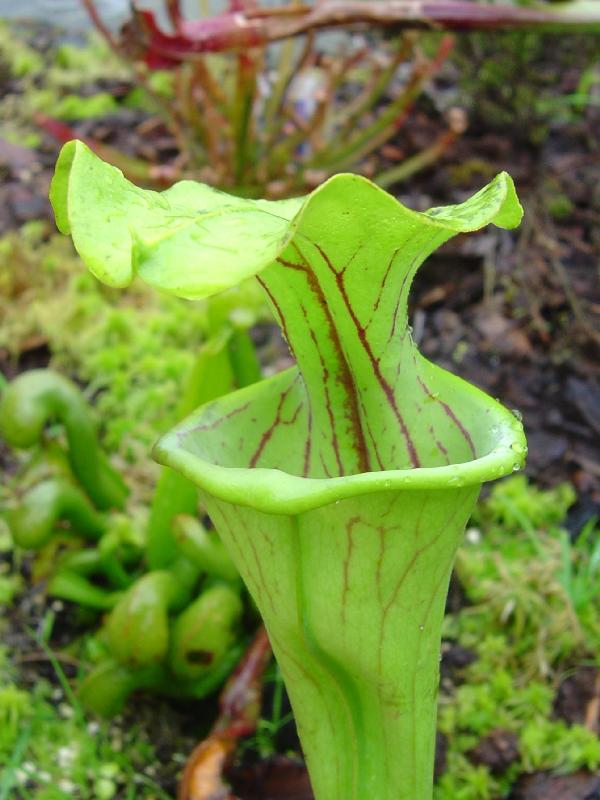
[[341, 486]]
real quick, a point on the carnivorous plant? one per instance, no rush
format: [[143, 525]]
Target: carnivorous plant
[[341, 486], [173, 594], [41, 396]]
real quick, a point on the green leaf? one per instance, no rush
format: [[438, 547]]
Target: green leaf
[[120, 230], [341, 486]]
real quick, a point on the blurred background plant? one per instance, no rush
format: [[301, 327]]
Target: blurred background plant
[[172, 593], [273, 119], [104, 550], [492, 86]]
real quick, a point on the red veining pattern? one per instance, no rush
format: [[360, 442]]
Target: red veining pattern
[[328, 404], [343, 373], [268, 433], [451, 415], [211, 426], [356, 412], [308, 445], [439, 445], [362, 336], [277, 307], [350, 531], [383, 283]]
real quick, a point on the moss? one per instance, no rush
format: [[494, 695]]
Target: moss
[[524, 621]]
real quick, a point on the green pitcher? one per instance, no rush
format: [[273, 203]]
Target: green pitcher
[[343, 485]]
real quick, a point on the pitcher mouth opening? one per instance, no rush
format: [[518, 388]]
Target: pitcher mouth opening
[[196, 451]]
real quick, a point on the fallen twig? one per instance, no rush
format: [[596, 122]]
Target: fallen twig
[[239, 713]]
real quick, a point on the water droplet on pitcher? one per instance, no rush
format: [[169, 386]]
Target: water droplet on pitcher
[[421, 627], [517, 414], [516, 467], [473, 535], [387, 484]]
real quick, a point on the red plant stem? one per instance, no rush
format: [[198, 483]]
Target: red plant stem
[[367, 99], [389, 121], [101, 27], [140, 76], [239, 701], [425, 158], [249, 27], [174, 12], [215, 128], [282, 113], [134, 168], [239, 712]]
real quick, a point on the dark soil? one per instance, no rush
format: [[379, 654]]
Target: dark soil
[[578, 698], [543, 786], [273, 779], [497, 751], [282, 777]]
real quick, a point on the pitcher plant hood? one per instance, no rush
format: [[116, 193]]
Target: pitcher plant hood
[[363, 410]]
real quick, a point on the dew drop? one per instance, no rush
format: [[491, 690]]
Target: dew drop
[[421, 627], [516, 413], [387, 484], [473, 535], [516, 467]]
